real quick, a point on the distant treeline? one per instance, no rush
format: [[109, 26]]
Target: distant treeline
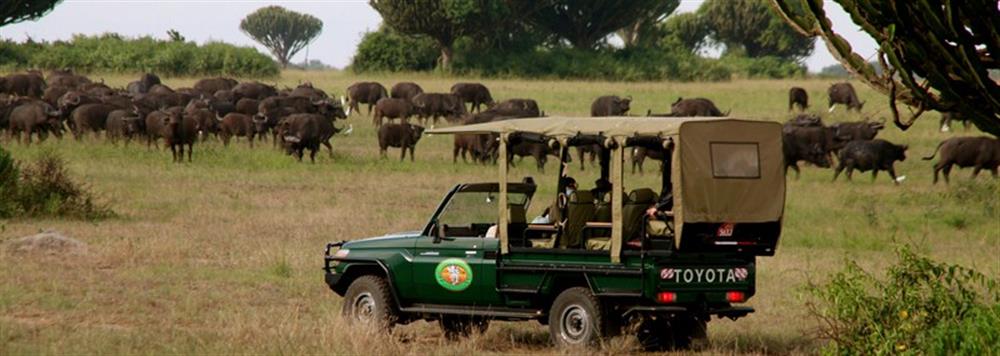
[[114, 53], [601, 39]]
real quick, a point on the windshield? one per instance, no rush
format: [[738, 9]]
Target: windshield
[[471, 214]]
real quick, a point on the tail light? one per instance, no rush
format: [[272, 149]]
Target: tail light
[[736, 297], [666, 297]]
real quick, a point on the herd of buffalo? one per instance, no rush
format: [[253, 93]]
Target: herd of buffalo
[[303, 118]]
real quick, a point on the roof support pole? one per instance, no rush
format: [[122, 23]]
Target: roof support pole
[[502, 224], [617, 148]]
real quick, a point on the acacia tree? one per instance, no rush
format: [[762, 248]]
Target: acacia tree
[[585, 23], [281, 31], [14, 11], [751, 27], [644, 28], [938, 53], [442, 20]]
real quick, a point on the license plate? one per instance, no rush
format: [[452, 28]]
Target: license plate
[[704, 275]]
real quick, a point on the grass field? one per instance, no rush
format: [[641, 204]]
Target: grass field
[[223, 255]]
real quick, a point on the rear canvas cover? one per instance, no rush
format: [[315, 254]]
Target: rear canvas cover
[[731, 171]]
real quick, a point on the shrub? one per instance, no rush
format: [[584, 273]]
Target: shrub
[[45, 189], [113, 53], [388, 51], [922, 306]]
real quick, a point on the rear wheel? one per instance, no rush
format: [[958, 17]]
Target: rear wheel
[[576, 319], [455, 327], [368, 302]]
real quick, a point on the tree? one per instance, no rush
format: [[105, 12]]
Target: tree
[[645, 28], [14, 11], [281, 31], [585, 23], [687, 30], [938, 54], [748, 26], [442, 20]]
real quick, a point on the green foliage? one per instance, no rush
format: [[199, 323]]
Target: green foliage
[[14, 11], [114, 53], [9, 174], [922, 306], [751, 28], [585, 24], [687, 30], [281, 31], [386, 50], [175, 36], [44, 189], [834, 71], [626, 64]]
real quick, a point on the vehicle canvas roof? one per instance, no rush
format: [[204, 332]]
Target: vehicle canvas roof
[[566, 126]]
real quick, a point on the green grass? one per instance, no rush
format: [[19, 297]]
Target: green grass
[[223, 255]]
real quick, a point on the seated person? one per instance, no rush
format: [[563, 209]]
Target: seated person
[[547, 217], [601, 188], [661, 215]]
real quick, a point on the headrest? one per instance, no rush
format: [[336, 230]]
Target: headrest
[[516, 214], [642, 196], [581, 196]]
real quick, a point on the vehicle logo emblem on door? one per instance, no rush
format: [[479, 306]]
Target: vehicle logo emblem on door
[[453, 274]]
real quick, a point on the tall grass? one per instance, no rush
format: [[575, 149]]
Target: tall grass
[[223, 255]]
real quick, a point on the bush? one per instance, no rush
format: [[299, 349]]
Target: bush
[[763, 67], [114, 53], [922, 306], [387, 51], [44, 189]]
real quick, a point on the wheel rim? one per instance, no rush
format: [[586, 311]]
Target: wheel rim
[[364, 307], [575, 323]]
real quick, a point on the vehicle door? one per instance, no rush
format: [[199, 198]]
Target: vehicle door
[[447, 266]]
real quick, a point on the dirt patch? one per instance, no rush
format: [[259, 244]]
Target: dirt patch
[[47, 242]]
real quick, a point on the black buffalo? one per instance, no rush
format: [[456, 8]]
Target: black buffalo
[[517, 108], [405, 136], [610, 105], [474, 93], [949, 116], [392, 108], [209, 86], [798, 96], [436, 105], [364, 93], [33, 117], [695, 107], [405, 90], [979, 152], [874, 155], [858, 130], [843, 93]]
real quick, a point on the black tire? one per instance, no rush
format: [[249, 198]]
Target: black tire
[[368, 302], [577, 319], [677, 333], [456, 327]]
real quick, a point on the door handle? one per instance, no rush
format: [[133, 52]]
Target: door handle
[[430, 253]]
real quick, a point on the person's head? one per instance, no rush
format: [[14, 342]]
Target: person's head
[[602, 185], [569, 184], [528, 180]]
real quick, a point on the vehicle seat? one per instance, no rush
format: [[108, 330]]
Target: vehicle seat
[[579, 211], [634, 209], [516, 223]]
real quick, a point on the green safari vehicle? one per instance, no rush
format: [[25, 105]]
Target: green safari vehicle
[[598, 263]]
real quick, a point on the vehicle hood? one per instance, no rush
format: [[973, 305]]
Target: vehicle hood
[[394, 240]]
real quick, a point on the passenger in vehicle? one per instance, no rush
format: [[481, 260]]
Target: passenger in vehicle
[[547, 216], [601, 188], [661, 215]]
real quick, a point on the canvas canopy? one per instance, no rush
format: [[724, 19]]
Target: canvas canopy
[[558, 126], [725, 169]]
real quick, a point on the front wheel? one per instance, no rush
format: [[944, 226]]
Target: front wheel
[[576, 319], [368, 302]]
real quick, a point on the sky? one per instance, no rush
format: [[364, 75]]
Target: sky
[[344, 23]]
